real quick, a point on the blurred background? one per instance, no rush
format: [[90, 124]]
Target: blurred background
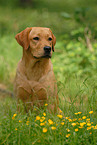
[[73, 22]]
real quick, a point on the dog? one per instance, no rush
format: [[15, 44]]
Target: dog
[[35, 83]]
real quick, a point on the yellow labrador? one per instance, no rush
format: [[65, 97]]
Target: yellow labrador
[[35, 82]]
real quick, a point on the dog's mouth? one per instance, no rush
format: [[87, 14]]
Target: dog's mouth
[[44, 56]]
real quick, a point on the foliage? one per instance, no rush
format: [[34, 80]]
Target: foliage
[[74, 58]]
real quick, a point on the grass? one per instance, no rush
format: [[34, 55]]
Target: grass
[[68, 127]]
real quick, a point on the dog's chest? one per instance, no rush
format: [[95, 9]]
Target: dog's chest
[[35, 75], [37, 72]]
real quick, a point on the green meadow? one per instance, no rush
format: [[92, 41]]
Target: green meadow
[[75, 67]]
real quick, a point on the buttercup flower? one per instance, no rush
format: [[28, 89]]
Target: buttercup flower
[[95, 127], [84, 117], [27, 122], [73, 124], [14, 115], [46, 104], [43, 117], [53, 128], [60, 111], [90, 112], [20, 121], [88, 128], [16, 129], [68, 130], [60, 116], [44, 130], [70, 120], [62, 123], [79, 119], [67, 117], [37, 117], [88, 119], [67, 135], [79, 112], [88, 124], [76, 129], [76, 113], [50, 121], [44, 114], [82, 124], [42, 124]]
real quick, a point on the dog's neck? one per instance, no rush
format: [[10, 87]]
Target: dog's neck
[[36, 67]]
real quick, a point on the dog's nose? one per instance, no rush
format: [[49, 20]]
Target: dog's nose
[[47, 49]]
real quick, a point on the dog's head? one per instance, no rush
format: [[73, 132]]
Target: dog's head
[[39, 40]]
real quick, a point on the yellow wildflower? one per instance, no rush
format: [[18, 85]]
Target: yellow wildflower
[[68, 130], [95, 127], [41, 120], [27, 122], [88, 119], [84, 117], [82, 124], [16, 129], [76, 129], [79, 112], [62, 123], [60, 116], [67, 117], [14, 115], [73, 124], [20, 121], [90, 112], [50, 121], [70, 120], [88, 124], [12, 118], [74, 119], [88, 128], [43, 117], [79, 119], [37, 117], [90, 132], [44, 114], [53, 128], [67, 135], [76, 113], [42, 124], [60, 111], [46, 104], [44, 130], [92, 127]]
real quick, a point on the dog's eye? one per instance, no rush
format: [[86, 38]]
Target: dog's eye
[[50, 39], [36, 38]]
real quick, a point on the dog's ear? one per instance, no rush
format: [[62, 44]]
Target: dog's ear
[[23, 38], [54, 42]]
